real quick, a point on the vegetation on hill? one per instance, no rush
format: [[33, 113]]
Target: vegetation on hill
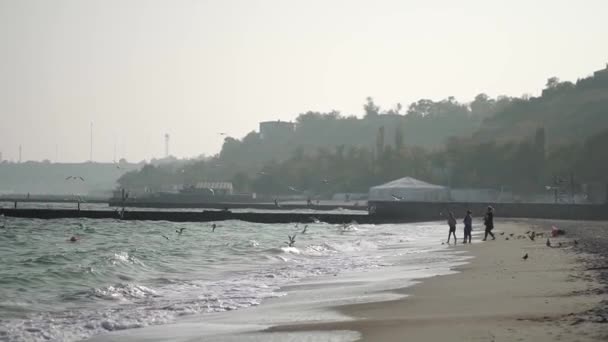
[[523, 144]]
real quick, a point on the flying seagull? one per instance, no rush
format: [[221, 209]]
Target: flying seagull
[[74, 178], [397, 198], [292, 240], [180, 231]]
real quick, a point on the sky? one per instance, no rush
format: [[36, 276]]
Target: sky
[[139, 69]]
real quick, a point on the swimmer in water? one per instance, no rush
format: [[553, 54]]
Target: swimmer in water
[[73, 239]]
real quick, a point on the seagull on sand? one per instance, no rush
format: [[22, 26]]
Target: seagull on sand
[[180, 231], [525, 256]]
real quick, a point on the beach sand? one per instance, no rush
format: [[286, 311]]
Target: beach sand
[[498, 296], [495, 296]]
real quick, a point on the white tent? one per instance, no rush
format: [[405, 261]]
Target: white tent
[[409, 189]]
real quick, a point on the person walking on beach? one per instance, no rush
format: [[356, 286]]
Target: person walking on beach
[[488, 221], [468, 226], [452, 224]]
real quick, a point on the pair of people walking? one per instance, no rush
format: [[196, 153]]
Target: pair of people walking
[[488, 221]]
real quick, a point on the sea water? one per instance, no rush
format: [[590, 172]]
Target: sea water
[[130, 274]]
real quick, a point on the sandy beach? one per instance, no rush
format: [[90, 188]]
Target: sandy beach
[[498, 296], [557, 294]]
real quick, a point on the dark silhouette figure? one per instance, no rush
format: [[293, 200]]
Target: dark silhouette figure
[[213, 227], [488, 221], [292, 240], [452, 225], [468, 226]]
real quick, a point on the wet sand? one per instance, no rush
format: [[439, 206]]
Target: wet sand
[[498, 296]]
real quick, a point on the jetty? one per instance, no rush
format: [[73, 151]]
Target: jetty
[[379, 213]]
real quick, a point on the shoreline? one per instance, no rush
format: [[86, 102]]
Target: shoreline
[[492, 296], [496, 296]]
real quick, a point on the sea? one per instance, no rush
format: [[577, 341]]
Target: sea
[[122, 275]]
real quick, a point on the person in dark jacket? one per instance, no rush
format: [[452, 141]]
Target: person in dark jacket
[[488, 221], [452, 225], [468, 226]]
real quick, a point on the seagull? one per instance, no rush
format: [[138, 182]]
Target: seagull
[[262, 173], [292, 189], [292, 240], [304, 230], [324, 181], [180, 231], [397, 198], [164, 237], [532, 236], [222, 133], [502, 233], [74, 178], [314, 219], [525, 256], [212, 191], [548, 243]]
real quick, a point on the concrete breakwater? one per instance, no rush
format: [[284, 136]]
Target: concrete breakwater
[[204, 216], [233, 205], [380, 212]]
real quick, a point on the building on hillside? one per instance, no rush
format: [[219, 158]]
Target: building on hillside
[[409, 189], [601, 73], [276, 129]]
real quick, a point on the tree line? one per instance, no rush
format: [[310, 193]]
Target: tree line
[[520, 143]]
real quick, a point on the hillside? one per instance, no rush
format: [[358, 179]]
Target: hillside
[[569, 112]]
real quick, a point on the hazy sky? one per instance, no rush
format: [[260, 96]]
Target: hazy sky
[[140, 69]]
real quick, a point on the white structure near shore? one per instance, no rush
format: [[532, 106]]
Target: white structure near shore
[[411, 190]]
